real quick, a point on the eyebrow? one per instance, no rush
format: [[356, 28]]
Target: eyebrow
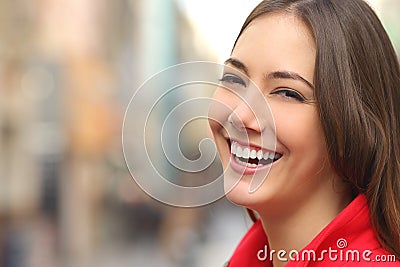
[[288, 75], [282, 74], [236, 63]]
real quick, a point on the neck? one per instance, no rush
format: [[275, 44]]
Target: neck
[[297, 225]]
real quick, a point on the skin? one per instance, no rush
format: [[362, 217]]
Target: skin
[[302, 193]]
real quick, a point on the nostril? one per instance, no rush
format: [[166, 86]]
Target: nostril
[[230, 120], [235, 121]]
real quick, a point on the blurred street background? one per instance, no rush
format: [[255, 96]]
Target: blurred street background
[[68, 69]]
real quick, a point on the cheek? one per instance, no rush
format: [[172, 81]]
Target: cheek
[[222, 104], [299, 130], [300, 133]]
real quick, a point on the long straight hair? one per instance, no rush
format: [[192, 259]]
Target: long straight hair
[[357, 88]]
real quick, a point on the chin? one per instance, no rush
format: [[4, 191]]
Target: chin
[[239, 194]]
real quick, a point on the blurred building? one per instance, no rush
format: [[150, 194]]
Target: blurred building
[[68, 69]]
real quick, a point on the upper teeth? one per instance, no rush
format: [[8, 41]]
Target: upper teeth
[[246, 152]]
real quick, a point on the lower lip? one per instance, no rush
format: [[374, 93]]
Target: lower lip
[[239, 168]]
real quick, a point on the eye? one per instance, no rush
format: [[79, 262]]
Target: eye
[[289, 94], [230, 79]]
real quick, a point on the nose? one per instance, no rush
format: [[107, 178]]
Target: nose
[[245, 117]]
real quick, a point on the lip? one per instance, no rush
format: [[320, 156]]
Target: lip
[[246, 170]]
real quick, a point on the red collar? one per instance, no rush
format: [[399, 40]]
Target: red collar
[[352, 226]]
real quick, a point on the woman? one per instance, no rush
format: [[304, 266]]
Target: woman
[[331, 79]]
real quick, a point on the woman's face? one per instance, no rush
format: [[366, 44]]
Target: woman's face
[[277, 52]]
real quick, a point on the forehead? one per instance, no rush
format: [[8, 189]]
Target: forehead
[[277, 41]]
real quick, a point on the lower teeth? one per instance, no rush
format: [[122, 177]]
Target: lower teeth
[[248, 164]]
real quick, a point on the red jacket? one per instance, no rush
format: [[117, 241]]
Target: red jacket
[[347, 241]]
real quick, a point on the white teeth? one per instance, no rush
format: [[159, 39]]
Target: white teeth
[[259, 154], [253, 154], [233, 148], [239, 152], [246, 153]]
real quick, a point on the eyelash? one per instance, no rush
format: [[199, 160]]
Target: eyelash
[[232, 79], [286, 92], [290, 94]]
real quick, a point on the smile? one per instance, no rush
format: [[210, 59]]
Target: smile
[[251, 157]]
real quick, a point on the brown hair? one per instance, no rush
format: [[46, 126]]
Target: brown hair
[[357, 87]]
